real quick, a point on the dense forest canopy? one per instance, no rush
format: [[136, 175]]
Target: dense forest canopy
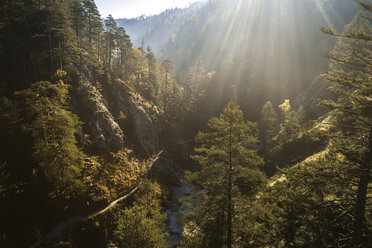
[[229, 123]]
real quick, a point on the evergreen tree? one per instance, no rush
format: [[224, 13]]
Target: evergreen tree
[[62, 40], [93, 18], [228, 171], [153, 80], [53, 128], [197, 78], [197, 82], [78, 18], [110, 32], [305, 205], [268, 124], [142, 224], [351, 80], [171, 97], [124, 54], [290, 127]]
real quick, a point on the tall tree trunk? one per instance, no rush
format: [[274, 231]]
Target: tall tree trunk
[[109, 62], [229, 200], [98, 45], [89, 28], [360, 205]]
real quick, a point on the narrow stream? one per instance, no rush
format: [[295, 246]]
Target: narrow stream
[[173, 213]]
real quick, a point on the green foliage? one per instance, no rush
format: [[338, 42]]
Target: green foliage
[[153, 76], [142, 224], [307, 205], [109, 37], [38, 124], [294, 141], [124, 64], [350, 78], [199, 89], [229, 172], [53, 128], [268, 123], [171, 97], [41, 161], [136, 229]]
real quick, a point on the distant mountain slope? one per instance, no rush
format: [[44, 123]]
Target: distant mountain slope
[[260, 49], [156, 30], [267, 50]]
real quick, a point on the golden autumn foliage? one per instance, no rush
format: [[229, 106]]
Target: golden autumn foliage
[[285, 107], [110, 177]]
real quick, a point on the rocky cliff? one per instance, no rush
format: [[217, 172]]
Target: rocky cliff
[[144, 120], [102, 131], [104, 128]]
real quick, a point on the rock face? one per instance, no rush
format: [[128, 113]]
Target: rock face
[[101, 117], [144, 118], [103, 132]]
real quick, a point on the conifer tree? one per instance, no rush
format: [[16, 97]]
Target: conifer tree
[[351, 80], [124, 55], [93, 19], [228, 171], [111, 28], [61, 36], [153, 80], [172, 94], [53, 128], [268, 123]]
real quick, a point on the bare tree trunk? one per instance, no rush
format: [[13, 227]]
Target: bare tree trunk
[[360, 205]]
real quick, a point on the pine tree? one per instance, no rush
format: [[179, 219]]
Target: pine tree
[[111, 28], [351, 80], [124, 54], [53, 128], [93, 19], [228, 171], [290, 128], [153, 80], [171, 96], [305, 205], [196, 83], [62, 41], [268, 124]]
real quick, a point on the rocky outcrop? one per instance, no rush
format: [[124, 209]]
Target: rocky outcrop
[[143, 123], [144, 117], [103, 133]]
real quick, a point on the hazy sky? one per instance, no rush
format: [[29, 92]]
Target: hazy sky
[[134, 8]]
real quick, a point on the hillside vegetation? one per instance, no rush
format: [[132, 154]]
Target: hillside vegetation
[[227, 124]]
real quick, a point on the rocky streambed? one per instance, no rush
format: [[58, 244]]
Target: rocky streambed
[[174, 228]]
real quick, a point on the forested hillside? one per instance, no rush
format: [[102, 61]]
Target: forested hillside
[[267, 50], [82, 111], [156, 30], [228, 124]]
